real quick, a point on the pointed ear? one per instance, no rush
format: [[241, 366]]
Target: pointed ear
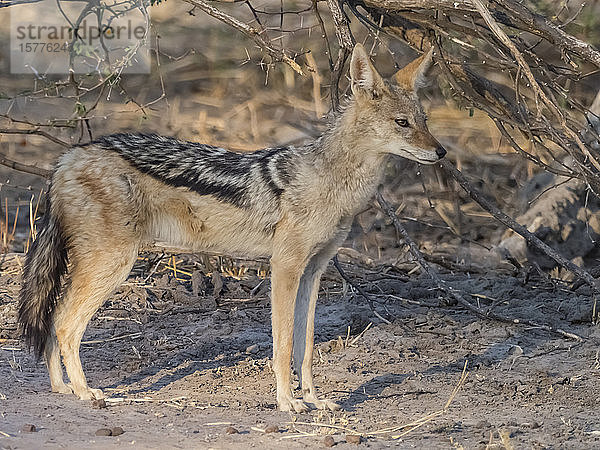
[[365, 78], [413, 75]]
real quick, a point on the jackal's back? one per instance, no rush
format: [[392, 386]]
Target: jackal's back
[[240, 179]]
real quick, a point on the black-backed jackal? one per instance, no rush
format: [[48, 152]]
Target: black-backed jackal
[[292, 204]]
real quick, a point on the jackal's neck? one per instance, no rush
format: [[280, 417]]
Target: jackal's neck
[[347, 144], [348, 164]]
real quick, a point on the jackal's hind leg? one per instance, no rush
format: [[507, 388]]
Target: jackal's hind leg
[[52, 356], [91, 281]]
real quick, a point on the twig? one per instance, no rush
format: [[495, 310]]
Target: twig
[[520, 229], [414, 249], [116, 338], [489, 20], [422, 421], [24, 167], [276, 54], [145, 399], [327, 425], [367, 297], [336, 76], [361, 334], [158, 247], [38, 132]]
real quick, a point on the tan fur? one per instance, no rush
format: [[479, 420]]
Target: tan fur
[[412, 75], [108, 209]]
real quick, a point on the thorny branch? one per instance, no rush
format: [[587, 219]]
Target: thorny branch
[[531, 238], [500, 35], [503, 37], [537, 90], [443, 286], [251, 32]]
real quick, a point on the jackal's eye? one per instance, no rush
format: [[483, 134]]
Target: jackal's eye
[[402, 122]]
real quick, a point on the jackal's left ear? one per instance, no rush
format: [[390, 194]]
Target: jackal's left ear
[[365, 78], [413, 76]]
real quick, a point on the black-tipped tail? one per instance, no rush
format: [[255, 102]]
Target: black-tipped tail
[[45, 266]]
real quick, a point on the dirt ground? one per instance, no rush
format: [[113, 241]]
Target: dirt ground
[[184, 353], [180, 368]]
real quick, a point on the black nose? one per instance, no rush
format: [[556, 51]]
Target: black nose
[[440, 151]]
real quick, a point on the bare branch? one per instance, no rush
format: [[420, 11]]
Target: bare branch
[[489, 20], [513, 12], [367, 297], [400, 5], [443, 286], [251, 32], [25, 167], [38, 132], [553, 33], [531, 238], [342, 27], [346, 43]]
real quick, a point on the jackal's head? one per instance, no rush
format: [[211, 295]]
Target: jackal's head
[[390, 114]]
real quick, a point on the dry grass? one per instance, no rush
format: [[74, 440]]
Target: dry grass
[[320, 427]]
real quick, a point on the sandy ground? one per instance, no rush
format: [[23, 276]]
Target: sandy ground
[[179, 368]]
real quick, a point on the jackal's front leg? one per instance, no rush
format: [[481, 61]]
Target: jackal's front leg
[[304, 322], [304, 332], [285, 277]]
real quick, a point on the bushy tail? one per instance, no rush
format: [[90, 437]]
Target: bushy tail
[[45, 266]]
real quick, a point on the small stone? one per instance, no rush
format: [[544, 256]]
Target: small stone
[[104, 432], [217, 281], [98, 403], [28, 428], [252, 349], [353, 439], [231, 430], [328, 441], [483, 424], [117, 431], [272, 429]]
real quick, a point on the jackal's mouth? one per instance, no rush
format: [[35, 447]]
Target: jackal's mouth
[[422, 160], [440, 152], [427, 161]]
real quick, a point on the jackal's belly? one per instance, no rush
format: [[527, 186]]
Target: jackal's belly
[[201, 223]]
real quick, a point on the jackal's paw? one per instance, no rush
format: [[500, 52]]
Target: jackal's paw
[[292, 404], [324, 403], [62, 388], [90, 394]]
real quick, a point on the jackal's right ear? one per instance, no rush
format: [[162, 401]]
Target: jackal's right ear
[[413, 75], [365, 78]]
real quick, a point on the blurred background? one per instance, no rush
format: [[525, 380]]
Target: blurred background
[[210, 83]]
